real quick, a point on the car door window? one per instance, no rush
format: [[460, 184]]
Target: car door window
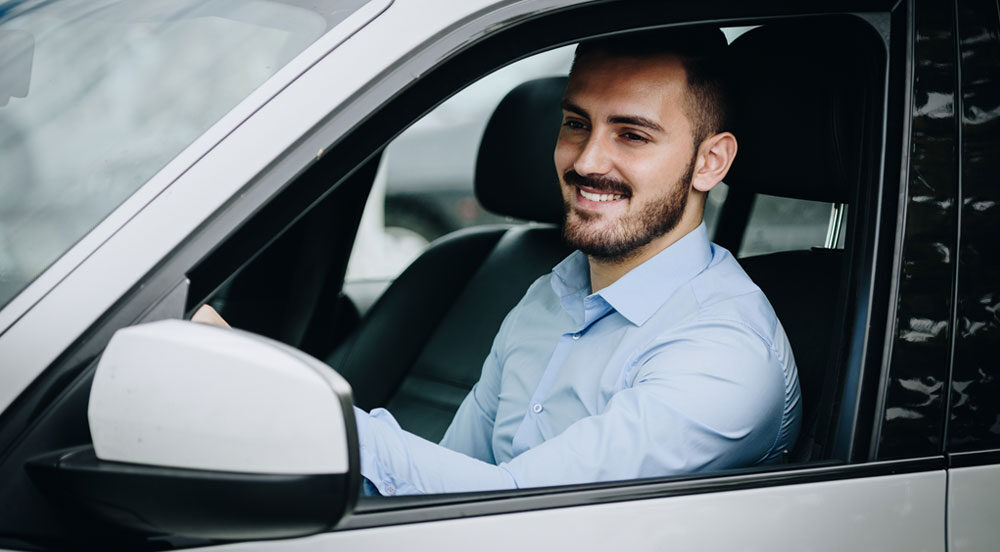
[[973, 423], [974, 416], [423, 172], [914, 413], [784, 224], [424, 186]]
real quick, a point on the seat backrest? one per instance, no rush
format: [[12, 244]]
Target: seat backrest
[[421, 347], [800, 94]]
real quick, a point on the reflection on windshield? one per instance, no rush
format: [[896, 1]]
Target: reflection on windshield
[[96, 96]]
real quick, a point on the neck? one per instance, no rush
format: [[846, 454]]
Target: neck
[[604, 272]]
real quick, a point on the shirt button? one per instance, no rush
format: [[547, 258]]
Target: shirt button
[[390, 490], [576, 336], [536, 408]]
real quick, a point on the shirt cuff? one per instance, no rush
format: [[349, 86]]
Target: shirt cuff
[[371, 468]]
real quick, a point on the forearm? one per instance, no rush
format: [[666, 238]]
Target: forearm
[[398, 462]]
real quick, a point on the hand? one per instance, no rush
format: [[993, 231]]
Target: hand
[[207, 315]]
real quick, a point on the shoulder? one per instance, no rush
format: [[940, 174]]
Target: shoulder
[[720, 313], [724, 293]]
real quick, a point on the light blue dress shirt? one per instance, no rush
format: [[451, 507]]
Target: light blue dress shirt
[[679, 366]]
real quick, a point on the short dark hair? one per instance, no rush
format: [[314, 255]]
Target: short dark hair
[[701, 51]]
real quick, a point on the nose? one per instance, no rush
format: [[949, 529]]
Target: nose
[[593, 158]]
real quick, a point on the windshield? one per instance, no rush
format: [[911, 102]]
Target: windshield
[[97, 96]]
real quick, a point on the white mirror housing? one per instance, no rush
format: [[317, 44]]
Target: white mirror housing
[[186, 395]]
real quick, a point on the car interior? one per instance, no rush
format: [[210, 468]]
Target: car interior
[[803, 117], [443, 311]]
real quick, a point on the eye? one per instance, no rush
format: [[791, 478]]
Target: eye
[[633, 137], [575, 124]]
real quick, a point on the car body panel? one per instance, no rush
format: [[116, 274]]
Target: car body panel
[[898, 512], [972, 508]]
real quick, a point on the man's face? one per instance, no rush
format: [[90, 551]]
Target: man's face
[[625, 154]]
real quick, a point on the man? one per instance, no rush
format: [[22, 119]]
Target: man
[[647, 352]]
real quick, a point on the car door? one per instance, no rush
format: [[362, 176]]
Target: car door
[[333, 120], [889, 494]]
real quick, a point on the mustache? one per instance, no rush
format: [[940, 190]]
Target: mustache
[[601, 184]]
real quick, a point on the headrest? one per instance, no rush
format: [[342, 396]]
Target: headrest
[[799, 108], [515, 174]]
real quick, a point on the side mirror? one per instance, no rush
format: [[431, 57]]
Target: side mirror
[[207, 432]]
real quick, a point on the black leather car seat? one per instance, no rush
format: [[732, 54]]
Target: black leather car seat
[[421, 347], [801, 103]]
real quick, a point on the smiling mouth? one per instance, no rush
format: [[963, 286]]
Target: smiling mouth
[[599, 197]]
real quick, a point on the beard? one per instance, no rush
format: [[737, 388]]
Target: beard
[[630, 232]]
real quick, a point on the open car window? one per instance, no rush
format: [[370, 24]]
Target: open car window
[[419, 167], [418, 196], [423, 189]]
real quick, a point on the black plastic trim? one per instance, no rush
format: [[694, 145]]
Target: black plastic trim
[[399, 510], [193, 503], [973, 458]]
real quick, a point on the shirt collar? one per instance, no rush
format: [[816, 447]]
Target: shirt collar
[[644, 289]]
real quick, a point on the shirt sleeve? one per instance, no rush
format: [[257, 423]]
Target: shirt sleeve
[[711, 397], [707, 399]]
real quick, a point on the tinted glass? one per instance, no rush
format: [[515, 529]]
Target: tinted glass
[[97, 95], [975, 411], [784, 224], [913, 421]]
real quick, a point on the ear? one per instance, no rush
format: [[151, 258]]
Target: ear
[[715, 156]]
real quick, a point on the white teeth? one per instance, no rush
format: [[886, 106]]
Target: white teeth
[[600, 197]]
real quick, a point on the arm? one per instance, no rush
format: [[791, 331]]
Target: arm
[[710, 398]]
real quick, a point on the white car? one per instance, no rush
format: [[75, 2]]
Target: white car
[[159, 155]]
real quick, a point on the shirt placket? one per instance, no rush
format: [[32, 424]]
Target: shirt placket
[[529, 433]]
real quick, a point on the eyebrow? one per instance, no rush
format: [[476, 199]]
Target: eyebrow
[[634, 120]]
